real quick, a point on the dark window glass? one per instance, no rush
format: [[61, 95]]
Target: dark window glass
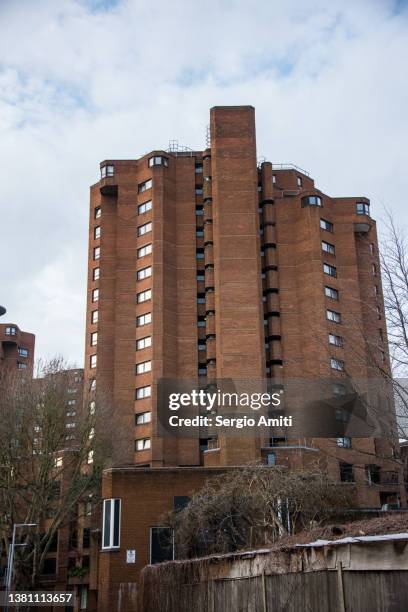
[[50, 566], [180, 502], [106, 526], [86, 537], [116, 522], [346, 472], [161, 544]]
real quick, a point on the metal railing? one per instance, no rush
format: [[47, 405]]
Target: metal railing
[[289, 167]]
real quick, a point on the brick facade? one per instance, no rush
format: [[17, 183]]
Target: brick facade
[[16, 348]]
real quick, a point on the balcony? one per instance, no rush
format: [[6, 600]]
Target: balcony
[[361, 228], [108, 186]]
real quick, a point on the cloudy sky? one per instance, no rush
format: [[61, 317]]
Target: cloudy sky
[[85, 80]]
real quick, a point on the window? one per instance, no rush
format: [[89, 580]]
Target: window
[[144, 296], [70, 425], [94, 316], [11, 331], [58, 462], [92, 406], [362, 208], [144, 250], [299, 181], [23, 352], [202, 346], [107, 171], [143, 417], [200, 233], [180, 502], [71, 402], [97, 212], [97, 252], [143, 343], [336, 364], [339, 390], [335, 340], [372, 249], [142, 444], [343, 442], [86, 537], [142, 368], [143, 208], [143, 392], [312, 200], [94, 338], [328, 248], [199, 211], [331, 293], [199, 191], [326, 225], [144, 319], [346, 472], [330, 270], [199, 168], [378, 312], [271, 459], [202, 371], [200, 276], [92, 361], [158, 160], [95, 274], [95, 295], [145, 186], [21, 366], [382, 356], [144, 273], [111, 523], [333, 316], [92, 385], [200, 253], [144, 229], [49, 567], [161, 544], [373, 269], [380, 333], [200, 298], [376, 291], [373, 474], [97, 232], [273, 179], [201, 322]]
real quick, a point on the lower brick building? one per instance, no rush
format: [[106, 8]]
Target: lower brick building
[[16, 348]]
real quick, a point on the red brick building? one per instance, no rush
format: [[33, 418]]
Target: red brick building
[[206, 263], [16, 347]]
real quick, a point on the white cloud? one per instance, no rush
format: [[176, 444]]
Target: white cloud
[[85, 80]]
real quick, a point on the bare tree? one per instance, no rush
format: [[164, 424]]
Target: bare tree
[[394, 266], [254, 505], [49, 468]]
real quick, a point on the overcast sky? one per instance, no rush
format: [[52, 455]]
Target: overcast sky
[[85, 80]]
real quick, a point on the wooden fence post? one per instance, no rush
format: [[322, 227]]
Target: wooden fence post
[[265, 602], [340, 585]]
